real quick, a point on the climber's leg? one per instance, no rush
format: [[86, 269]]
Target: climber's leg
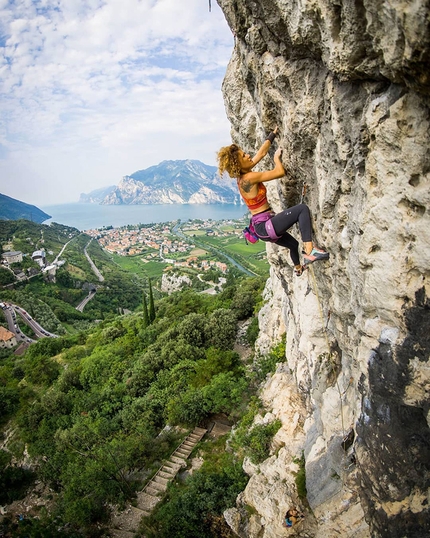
[[288, 241], [287, 218], [300, 214]]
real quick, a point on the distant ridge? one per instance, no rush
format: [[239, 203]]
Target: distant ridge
[[97, 196], [12, 209], [170, 182]]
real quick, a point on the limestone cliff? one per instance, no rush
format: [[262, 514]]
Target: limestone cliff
[[348, 84]]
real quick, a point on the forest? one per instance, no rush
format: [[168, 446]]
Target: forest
[[97, 410]]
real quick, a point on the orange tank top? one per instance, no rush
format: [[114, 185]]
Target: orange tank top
[[258, 201]]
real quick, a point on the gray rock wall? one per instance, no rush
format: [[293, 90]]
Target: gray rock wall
[[348, 84]]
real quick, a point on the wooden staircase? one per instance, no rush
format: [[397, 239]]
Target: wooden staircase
[[125, 524]]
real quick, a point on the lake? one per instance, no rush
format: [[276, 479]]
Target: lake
[[89, 216]]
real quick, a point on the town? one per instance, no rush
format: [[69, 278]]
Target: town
[[171, 243]]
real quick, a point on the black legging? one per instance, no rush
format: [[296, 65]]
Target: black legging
[[283, 222]]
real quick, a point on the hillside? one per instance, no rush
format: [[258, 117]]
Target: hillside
[[12, 209], [61, 289], [98, 410]]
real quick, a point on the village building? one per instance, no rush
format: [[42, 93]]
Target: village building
[[12, 256], [39, 257], [7, 338]]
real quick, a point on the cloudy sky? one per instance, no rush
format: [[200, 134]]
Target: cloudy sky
[[92, 90]]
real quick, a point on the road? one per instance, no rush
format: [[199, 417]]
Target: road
[[82, 304], [62, 250], [10, 310], [93, 265]]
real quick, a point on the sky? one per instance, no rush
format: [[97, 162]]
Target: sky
[[93, 90]]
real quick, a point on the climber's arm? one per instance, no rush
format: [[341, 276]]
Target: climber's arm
[[265, 146], [269, 175]]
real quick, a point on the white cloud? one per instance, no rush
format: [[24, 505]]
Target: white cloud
[[92, 90]]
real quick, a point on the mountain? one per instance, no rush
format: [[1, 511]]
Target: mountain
[[12, 209], [97, 196], [171, 182]]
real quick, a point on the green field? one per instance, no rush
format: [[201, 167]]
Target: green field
[[251, 256], [139, 266]]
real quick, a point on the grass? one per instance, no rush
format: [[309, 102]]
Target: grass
[[198, 252], [300, 477], [140, 267], [251, 256]]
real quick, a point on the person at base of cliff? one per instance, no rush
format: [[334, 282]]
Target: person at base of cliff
[[292, 517], [268, 225]]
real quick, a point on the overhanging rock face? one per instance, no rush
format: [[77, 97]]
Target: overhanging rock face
[[348, 85]]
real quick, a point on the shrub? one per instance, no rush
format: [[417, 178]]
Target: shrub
[[258, 440], [300, 477]]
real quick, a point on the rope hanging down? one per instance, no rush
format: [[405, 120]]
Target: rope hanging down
[[210, 6]]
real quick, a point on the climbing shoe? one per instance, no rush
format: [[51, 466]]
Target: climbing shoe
[[315, 255], [299, 272]]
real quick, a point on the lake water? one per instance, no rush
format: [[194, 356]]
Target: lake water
[[89, 216]]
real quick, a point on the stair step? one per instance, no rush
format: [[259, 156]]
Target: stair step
[[177, 459], [160, 480], [195, 436], [158, 486], [182, 452], [152, 491], [171, 465], [199, 430], [166, 475]]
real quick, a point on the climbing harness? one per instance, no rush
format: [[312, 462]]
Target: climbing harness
[[266, 217], [250, 234]]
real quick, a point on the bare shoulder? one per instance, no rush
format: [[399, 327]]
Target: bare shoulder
[[248, 180], [245, 184]]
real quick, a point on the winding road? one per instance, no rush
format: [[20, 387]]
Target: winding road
[[93, 265], [10, 310]]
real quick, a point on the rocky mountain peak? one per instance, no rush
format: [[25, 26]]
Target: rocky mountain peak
[[170, 182]]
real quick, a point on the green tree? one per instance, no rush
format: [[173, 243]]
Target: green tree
[[151, 302], [224, 393], [192, 329], [145, 311], [222, 328], [187, 408]]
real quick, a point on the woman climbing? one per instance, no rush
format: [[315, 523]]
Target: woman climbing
[[292, 517], [268, 225]]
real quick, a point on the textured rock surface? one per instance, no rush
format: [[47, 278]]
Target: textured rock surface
[[348, 84]]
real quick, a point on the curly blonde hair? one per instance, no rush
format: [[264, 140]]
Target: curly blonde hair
[[228, 161]]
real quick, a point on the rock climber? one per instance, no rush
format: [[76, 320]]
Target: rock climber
[[268, 225], [292, 517]]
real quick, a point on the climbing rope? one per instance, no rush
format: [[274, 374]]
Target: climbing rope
[[304, 188], [210, 6]]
